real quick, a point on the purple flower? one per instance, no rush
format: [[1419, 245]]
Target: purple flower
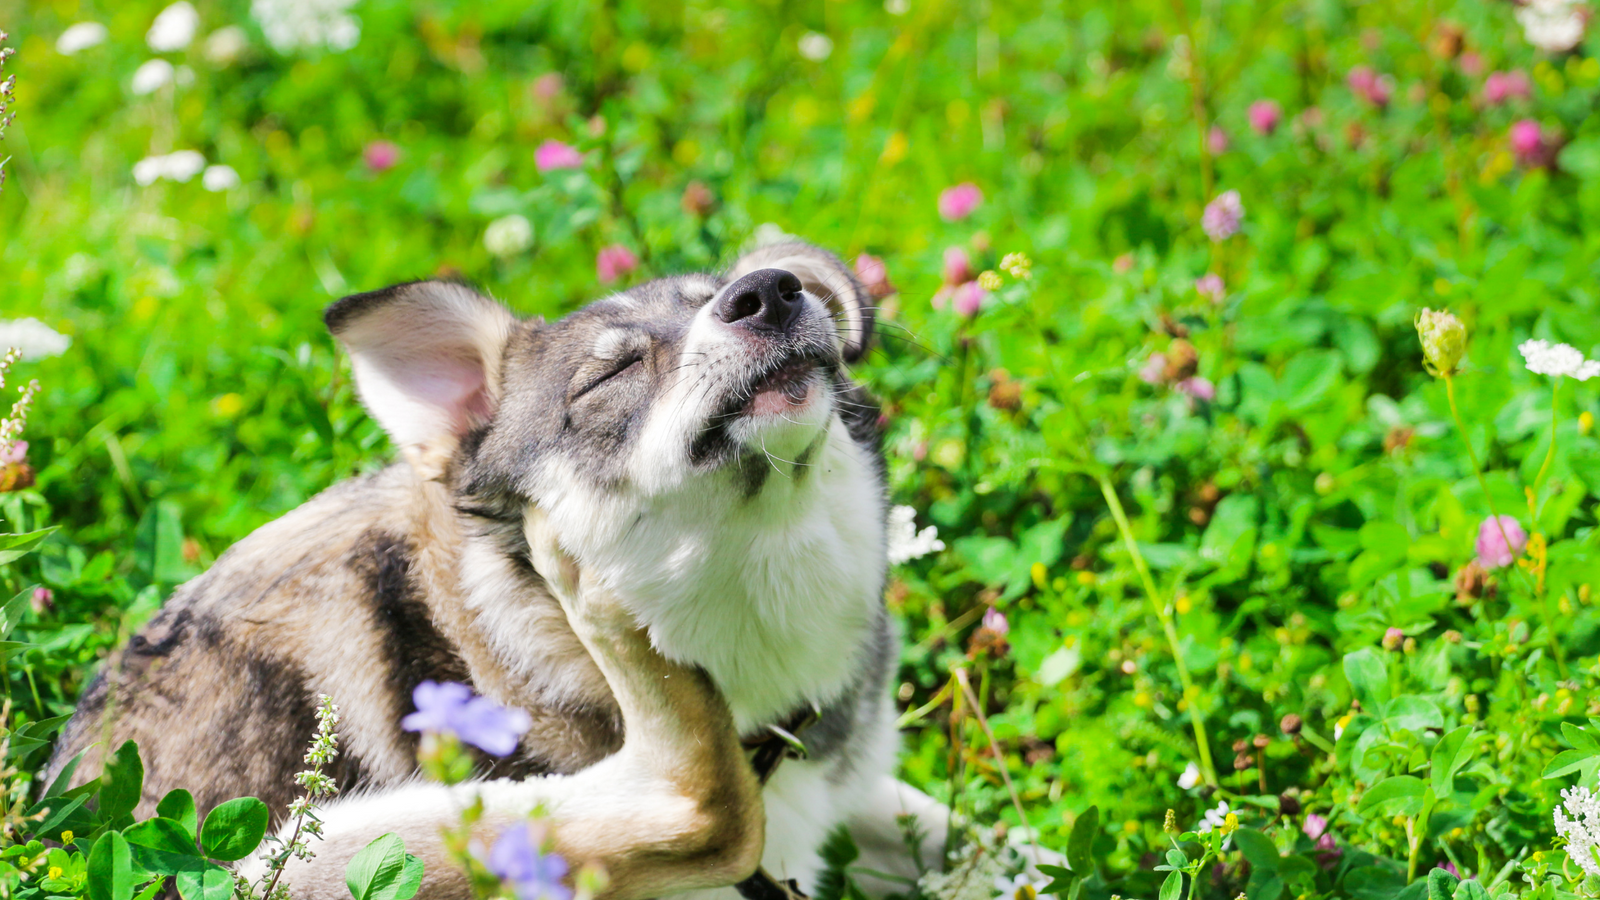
[[956, 203], [613, 262], [1500, 542], [1502, 86], [515, 859], [556, 155], [1264, 116], [1223, 216], [1528, 142], [1210, 286], [1216, 141], [995, 621], [969, 298], [1198, 388], [381, 156], [451, 708]]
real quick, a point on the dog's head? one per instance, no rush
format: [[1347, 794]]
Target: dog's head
[[645, 391]]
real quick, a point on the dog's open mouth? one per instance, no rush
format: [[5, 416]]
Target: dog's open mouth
[[786, 388]]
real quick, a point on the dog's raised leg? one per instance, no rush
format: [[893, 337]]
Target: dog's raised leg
[[676, 808]]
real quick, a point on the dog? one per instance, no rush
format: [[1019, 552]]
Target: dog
[[656, 525]]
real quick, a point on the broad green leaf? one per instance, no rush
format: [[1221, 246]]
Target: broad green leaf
[[384, 871], [234, 829], [1400, 794], [1172, 888], [122, 782], [1080, 844], [163, 847], [178, 806], [110, 868], [1368, 677], [208, 881]]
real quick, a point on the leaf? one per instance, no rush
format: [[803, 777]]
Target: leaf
[[1172, 888], [234, 829], [208, 881], [110, 868], [121, 782], [1080, 844], [1402, 793], [383, 870], [178, 806], [1257, 848], [163, 847], [1368, 677]]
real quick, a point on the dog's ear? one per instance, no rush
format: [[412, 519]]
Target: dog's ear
[[427, 361], [828, 278]]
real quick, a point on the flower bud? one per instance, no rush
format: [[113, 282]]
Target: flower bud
[[1444, 341]]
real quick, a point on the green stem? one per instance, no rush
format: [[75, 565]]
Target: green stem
[[1191, 696]]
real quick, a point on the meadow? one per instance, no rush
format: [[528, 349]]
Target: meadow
[[1233, 590]]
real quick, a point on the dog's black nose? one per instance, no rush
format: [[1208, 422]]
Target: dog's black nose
[[764, 299]]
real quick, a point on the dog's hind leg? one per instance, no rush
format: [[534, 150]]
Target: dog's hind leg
[[676, 808]]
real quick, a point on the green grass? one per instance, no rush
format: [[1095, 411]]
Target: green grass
[[1322, 498]]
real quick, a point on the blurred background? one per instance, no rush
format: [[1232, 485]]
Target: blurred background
[[1148, 271]]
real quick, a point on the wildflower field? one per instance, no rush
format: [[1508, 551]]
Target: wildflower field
[[1235, 354]]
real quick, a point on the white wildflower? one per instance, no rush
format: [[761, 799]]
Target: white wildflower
[[1545, 358], [816, 46], [33, 338], [225, 45], [152, 76], [1554, 26], [1190, 778], [292, 25], [174, 28], [219, 178], [1582, 830], [508, 235], [180, 165], [80, 37], [905, 542]]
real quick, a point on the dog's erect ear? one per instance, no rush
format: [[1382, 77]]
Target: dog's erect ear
[[827, 277], [427, 362]]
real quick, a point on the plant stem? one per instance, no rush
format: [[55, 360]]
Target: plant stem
[[1190, 695]]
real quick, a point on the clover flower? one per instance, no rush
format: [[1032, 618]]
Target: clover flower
[[80, 37], [956, 203], [516, 860], [508, 235], [1264, 116], [1557, 360], [1444, 341], [1222, 216], [1577, 820], [904, 542], [293, 25], [1554, 26], [174, 28], [452, 708], [556, 155], [1500, 541], [613, 262]]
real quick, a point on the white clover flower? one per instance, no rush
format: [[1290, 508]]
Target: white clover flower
[[1556, 360], [292, 25], [905, 542], [1554, 26], [219, 178], [152, 76], [816, 46], [225, 45], [508, 235], [1190, 778], [1582, 830], [80, 37], [33, 338], [174, 28]]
